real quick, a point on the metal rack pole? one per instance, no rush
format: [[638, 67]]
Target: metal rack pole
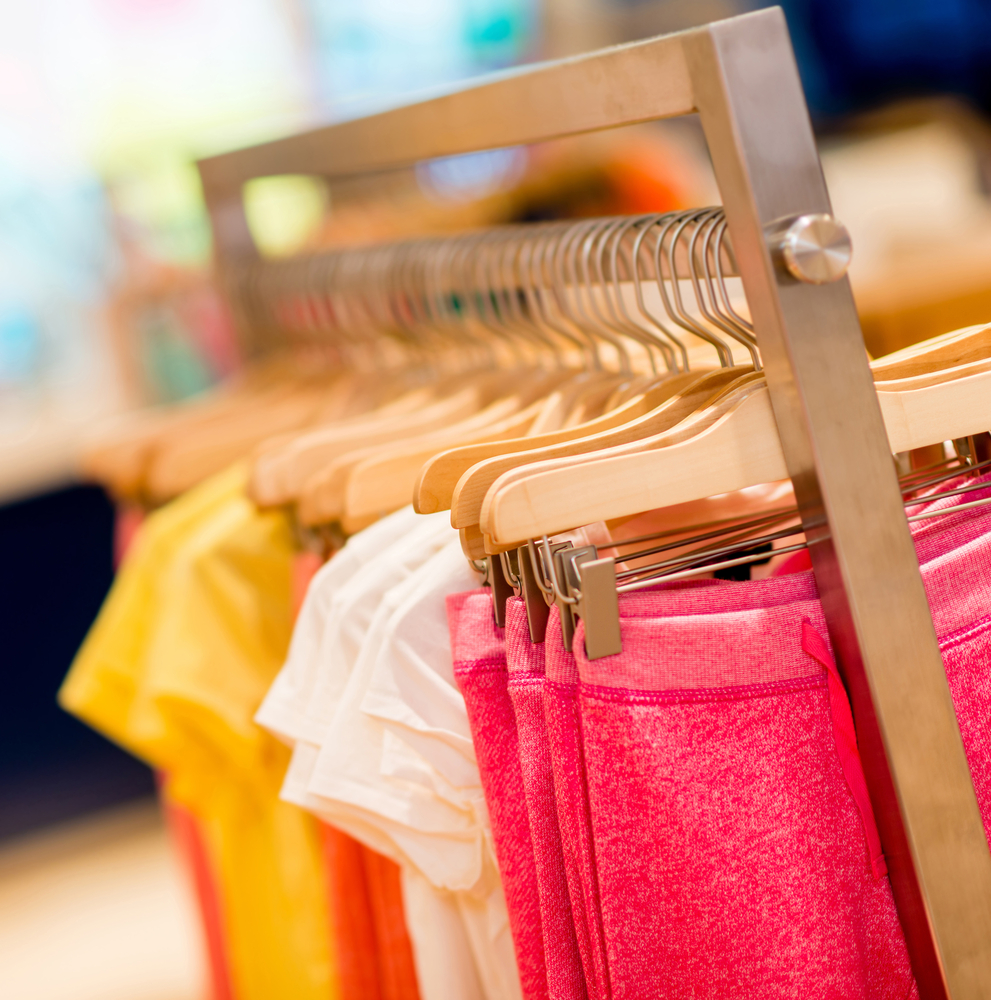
[[741, 77], [749, 96]]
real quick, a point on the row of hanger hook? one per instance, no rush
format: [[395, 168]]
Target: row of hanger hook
[[579, 285]]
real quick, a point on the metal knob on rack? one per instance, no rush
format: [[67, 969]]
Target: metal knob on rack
[[815, 249]]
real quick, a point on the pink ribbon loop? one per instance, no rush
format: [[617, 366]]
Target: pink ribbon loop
[[846, 743]]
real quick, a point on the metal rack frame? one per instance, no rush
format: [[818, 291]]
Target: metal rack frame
[[740, 76]]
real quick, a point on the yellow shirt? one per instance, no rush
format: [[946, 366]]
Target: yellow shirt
[[187, 643]]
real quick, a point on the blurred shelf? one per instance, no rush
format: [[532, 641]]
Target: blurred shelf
[[98, 910]]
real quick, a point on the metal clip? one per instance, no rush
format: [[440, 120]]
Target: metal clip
[[511, 570], [501, 590], [567, 582], [598, 608], [538, 601]]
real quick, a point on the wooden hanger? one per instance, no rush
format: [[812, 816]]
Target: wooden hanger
[[436, 482], [384, 481], [322, 498], [281, 464], [723, 399], [117, 454], [591, 401], [934, 377], [398, 448], [470, 491], [181, 461], [280, 475], [376, 480], [740, 449], [949, 350]]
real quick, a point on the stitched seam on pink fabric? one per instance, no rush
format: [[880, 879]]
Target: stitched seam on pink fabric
[[488, 663], [526, 678], [587, 807], [965, 632], [845, 737], [682, 696], [561, 685]]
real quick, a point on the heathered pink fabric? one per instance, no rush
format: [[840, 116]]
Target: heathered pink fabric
[[845, 737], [571, 797], [731, 855], [525, 660], [479, 653]]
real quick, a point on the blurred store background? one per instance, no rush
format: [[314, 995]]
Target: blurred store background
[[106, 302]]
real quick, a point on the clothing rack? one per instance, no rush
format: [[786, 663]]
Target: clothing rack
[[740, 76]]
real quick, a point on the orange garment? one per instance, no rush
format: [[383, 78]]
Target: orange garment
[[375, 954], [182, 826], [188, 841], [304, 567], [351, 921], [397, 969]]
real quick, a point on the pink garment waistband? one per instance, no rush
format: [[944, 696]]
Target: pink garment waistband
[[477, 636], [745, 633], [522, 655]]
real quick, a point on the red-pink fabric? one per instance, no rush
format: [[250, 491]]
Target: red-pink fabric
[[797, 562], [846, 743], [800, 561], [187, 838], [305, 566], [525, 661], [571, 797], [127, 520], [730, 853], [720, 727], [706, 782], [479, 653]]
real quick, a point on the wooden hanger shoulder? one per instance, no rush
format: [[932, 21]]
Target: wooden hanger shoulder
[[928, 415], [176, 465], [119, 453], [323, 496], [274, 456], [740, 449], [280, 477], [948, 351], [386, 481], [466, 502], [934, 377], [590, 403]]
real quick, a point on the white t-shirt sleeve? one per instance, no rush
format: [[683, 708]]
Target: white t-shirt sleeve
[[412, 691], [283, 710]]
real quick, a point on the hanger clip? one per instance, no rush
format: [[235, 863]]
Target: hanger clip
[[501, 588], [538, 603], [566, 562], [598, 608]]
